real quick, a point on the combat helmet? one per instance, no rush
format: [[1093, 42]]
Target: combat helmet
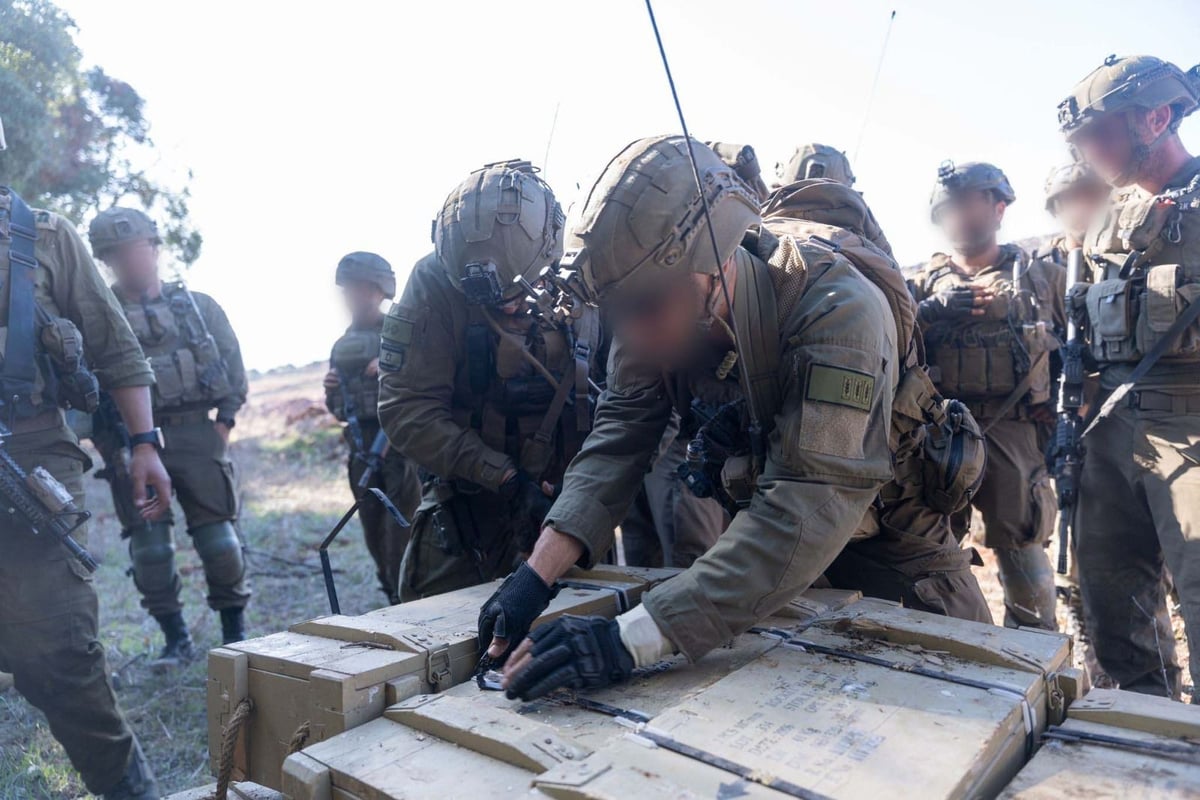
[[116, 226], [1120, 84], [644, 216], [816, 161], [500, 224], [368, 267], [1067, 176], [955, 179]]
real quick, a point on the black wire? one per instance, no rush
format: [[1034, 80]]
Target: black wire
[[712, 235]]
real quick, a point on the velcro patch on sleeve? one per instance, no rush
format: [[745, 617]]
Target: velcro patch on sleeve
[[397, 331], [840, 386]]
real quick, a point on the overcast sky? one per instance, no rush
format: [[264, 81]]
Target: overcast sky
[[314, 129]]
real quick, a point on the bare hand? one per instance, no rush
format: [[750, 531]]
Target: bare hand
[[146, 471], [372, 368], [331, 381], [222, 430], [1042, 414]]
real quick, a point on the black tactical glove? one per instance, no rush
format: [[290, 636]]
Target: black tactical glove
[[529, 506], [575, 652], [952, 303], [510, 612]]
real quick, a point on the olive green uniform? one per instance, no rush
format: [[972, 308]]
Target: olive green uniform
[[1139, 484], [464, 404], [396, 477], [982, 361], [191, 379], [828, 457], [49, 617]]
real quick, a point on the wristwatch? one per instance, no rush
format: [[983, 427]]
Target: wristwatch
[[154, 436]]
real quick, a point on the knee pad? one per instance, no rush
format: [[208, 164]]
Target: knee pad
[[152, 552], [220, 548]]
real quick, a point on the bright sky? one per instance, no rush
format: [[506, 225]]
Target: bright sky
[[314, 129]]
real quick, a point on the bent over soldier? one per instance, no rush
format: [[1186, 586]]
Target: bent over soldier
[[992, 316], [352, 395], [484, 378], [1137, 504], [197, 369], [766, 331], [58, 318]]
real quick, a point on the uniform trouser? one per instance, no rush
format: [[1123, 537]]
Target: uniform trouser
[[387, 539], [459, 539], [668, 525], [1138, 508], [49, 627], [203, 478], [930, 572], [1018, 504]]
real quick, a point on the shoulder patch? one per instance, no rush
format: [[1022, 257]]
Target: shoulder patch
[[396, 336], [840, 386]]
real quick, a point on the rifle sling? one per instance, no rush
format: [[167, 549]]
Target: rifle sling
[[1018, 392], [18, 375]]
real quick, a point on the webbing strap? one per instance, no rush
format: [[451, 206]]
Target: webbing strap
[[756, 320], [18, 376]]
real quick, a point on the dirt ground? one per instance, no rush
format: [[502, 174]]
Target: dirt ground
[[290, 456]]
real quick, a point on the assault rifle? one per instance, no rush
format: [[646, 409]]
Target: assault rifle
[[38, 501], [374, 459], [111, 437], [1066, 450], [350, 410]]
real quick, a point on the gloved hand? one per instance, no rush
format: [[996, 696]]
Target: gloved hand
[[529, 505], [510, 611], [575, 652], [953, 303]]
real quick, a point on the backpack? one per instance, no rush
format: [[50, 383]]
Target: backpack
[[934, 441]]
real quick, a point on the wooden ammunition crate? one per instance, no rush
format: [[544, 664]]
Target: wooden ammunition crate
[[1156, 755], [332, 674]]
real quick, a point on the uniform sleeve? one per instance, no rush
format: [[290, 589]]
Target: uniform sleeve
[[603, 479], [418, 363], [333, 396], [81, 295], [231, 352], [827, 460]]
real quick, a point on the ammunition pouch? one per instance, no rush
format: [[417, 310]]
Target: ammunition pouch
[[76, 385], [1126, 317]]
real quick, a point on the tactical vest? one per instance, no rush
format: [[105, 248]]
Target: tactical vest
[[1146, 257], [45, 368], [188, 368], [357, 348], [512, 405], [988, 357]]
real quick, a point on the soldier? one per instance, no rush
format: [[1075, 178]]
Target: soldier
[[804, 484], [483, 388], [1137, 505], [352, 395], [49, 622], [1074, 196], [816, 161], [991, 315], [197, 368]]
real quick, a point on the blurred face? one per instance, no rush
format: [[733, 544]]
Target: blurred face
[[1078, 206], [969, 221], [134, 265], [1117, 144], [362, 299], [662, 326]]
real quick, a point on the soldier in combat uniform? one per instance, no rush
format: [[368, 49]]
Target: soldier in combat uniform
[[1137, 493], [352, 395], [816, 161], [1075, 195], [804, 485], [198, 370], [991, 315], [49, 616], [482, 387]]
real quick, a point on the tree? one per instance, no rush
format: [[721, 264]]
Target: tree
[[78, 140]]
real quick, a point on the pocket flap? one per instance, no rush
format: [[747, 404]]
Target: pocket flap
[[1161, 301], [1108, 307]]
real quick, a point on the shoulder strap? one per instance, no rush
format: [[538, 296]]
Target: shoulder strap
[[18, 376], [756, 320]]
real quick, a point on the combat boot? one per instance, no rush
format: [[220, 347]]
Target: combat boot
[[179, 648], [138, 782], [232, 625]]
